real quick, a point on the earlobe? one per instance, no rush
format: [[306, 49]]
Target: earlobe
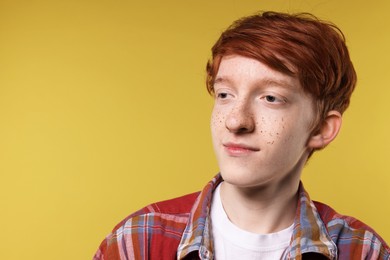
[[328, 131]]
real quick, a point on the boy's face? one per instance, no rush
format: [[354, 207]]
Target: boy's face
[[260, 123]]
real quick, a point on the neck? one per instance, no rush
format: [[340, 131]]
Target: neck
[[265, 209]]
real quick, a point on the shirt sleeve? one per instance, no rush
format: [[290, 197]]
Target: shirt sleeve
[[108, 249]]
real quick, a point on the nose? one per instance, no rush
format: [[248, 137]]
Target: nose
[[240, 119]]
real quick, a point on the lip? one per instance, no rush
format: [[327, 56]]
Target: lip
[[239, 149]]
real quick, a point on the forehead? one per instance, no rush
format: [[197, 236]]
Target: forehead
[[235, 69]]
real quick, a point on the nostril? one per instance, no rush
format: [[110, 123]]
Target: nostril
[[242, 130]]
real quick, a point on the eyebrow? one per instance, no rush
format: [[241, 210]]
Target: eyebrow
[[264, 82], [221, 80]]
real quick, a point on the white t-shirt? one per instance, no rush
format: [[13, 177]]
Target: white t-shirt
[[231, 242]]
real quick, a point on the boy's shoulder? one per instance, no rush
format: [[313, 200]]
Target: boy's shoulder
[[152, 232], [332, 218], [351, 234], [179, 206]]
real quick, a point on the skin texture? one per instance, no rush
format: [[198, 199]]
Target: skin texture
[[261, 129]]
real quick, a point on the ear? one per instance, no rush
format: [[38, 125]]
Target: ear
[[328, 131]]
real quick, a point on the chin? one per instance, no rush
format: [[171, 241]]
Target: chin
[[243, 179]]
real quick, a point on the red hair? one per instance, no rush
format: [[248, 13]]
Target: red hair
[[299, 45]]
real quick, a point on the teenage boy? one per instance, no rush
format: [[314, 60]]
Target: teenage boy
[[281, 84]]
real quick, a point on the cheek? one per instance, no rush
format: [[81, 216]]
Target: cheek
[[271, 128], [217, 119], [281, 131], [293, 134]]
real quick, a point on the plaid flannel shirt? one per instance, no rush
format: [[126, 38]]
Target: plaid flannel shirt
[[180, 229]]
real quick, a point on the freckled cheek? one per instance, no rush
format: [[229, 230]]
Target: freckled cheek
[[281, 128], [218, 118], [272, 129]]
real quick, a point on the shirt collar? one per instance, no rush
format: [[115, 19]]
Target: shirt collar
[[309, 233], [197, 235]]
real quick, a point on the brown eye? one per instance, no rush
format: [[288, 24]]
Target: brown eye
[[222, 95], [270, 98]]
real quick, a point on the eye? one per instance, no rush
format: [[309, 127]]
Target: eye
[[270, 98], [222, 95], [274, 99]]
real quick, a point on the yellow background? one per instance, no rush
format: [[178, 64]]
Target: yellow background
[[103, 110]]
